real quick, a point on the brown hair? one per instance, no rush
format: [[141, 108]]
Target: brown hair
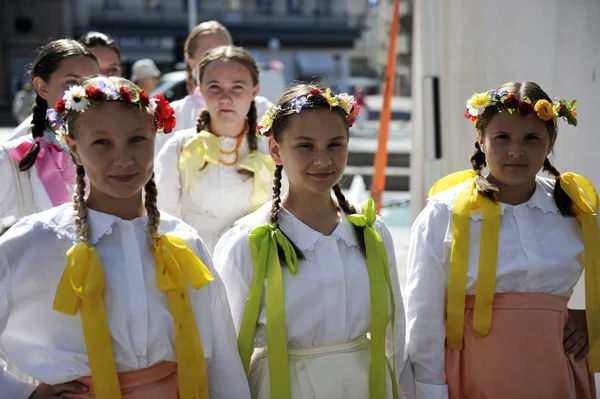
[[280, 124], [191, 44], [45, 64], [237, 54], [478, 161], [79, 205]]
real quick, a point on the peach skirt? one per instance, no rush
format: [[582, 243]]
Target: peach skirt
[[522, 357], [155, 382]]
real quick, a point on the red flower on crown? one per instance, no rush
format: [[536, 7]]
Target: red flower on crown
[[164, 114], [60, 105], [511, 101], [125, 95], [94, 94], [144, 100], [525, 108], [316, 91]]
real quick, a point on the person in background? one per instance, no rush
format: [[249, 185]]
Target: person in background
[[145, 74], [106, 50], [23, 102], [203, 38]]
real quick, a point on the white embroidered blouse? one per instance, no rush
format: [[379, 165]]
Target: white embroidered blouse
[[50, 346]]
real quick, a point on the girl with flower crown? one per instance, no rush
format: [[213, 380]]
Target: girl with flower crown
[[36, 172], [307, 275], [219, 171], [203, 38], [493, 261], [137, 310]]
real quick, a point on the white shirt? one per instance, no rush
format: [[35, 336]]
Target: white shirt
[[538, 251], [188, 108], [21, 193], [219, 194], [327, 301], [32, 260], [23, 129]]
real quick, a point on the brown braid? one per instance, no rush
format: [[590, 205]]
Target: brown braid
[[151, 207], [38, 124], [349, 209], [190, 83], [251, 136], [203, 121], [80, 208], [482, 184], [275, 209], [561, 198]]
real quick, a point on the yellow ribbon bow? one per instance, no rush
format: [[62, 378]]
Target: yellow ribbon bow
[[81, 288], [380, 286], [262, 166], [468, 200], [203, 148], [265, 243], [585, 198]]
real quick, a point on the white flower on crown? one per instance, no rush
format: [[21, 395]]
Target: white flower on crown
[[75, 99], [152, 106], [479, 101], [346, 101]]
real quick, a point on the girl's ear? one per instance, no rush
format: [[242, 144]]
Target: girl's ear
[[274, 151]]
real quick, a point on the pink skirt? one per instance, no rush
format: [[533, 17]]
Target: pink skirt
[[155, 382], [522, 357]]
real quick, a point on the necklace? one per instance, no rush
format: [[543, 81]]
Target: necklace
[[236, 150]]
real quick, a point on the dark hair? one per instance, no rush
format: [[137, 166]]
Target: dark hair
[[79, 205], [478, 161], [191, 44], [237, 54], [46, 63], [280, 124], [99, 39]]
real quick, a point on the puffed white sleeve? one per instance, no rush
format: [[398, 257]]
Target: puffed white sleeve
[[233, 261], [226, 375], [10, 386], [395, 339], [168, 179], [9, 194], [425, 300]]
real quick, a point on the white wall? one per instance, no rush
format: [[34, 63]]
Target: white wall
[[478, 45]]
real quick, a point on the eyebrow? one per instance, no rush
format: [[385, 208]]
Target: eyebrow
[[70, 75], [235, 81], [311, 139], [102, 132]]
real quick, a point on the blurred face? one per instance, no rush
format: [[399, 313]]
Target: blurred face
[[148, 84], [228, 90], [70, 71], [515, 147], [115, 145], [204, 44], [110, 65], [313, 150]]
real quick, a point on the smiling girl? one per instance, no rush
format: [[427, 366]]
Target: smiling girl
[[219, 171], [493, 261], [307, 276], [137, 311], [36, 172]]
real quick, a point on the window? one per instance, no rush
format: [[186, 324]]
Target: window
[[294, 6]]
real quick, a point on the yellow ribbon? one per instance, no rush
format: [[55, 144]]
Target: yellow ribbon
[[262, 166], [265, 243], [203, 148], [380, 285], [585, 198], [81, 288], [468, 200]]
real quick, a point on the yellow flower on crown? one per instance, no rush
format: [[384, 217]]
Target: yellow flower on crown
[[477, 103], [544, 110], [331, 100]]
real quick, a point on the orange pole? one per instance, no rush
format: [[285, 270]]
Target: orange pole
[[381, 157]]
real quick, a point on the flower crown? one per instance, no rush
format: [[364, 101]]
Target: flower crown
[[315, 97], [544, 109], [78, 99]]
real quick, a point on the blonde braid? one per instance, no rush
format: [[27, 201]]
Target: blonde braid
[[151, 207], [81, 214]]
